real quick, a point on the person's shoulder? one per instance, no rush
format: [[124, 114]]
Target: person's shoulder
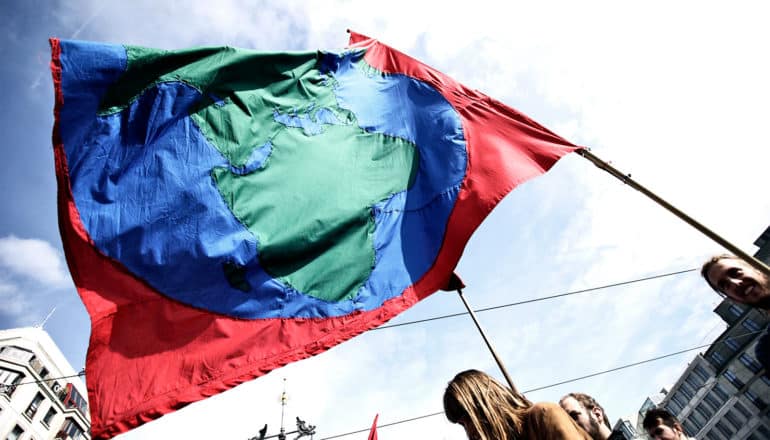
[[549, 421], [545, 407], [546, 410]]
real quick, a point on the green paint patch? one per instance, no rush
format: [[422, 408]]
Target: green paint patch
[[309, 201]]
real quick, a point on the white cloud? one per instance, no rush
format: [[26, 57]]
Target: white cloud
[[11, 298], [33, 259], [674, 93]]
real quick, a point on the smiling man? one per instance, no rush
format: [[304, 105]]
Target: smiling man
[[734, 278], [742, 283]]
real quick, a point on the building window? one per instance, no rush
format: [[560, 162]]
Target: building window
[[732, 418], [732, 344], [16, 353], [759, 403], [49, 417], [750, 362], [697, 420], [749, 324], [717, 358], [8, 377], [646, 406], [686, 390], [34, 406], [712, 401], [736, 310], [628, 429], [762, 433], [680, 400], [733, 379], [720, 393], [694, 381], [673, 407], [71, 398], [704, 410], [701, 373], [738, 406], [72, 429], [725, 429], [8, 381], [712, 435], [16, 433], [690, 427]]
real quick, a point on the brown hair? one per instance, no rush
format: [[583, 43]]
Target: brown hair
[[492, 409], [704, 270], [657, 416], [588, 403]]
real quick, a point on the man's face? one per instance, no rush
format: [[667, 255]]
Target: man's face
[[740, 282], [664, 432], [585, 418]]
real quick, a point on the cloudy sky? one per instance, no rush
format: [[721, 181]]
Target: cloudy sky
[[675, 93]]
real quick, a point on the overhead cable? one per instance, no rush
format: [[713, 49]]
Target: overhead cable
[[543, 298], [634, 364]]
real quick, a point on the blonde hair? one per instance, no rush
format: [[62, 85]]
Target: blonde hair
[[493, 410]]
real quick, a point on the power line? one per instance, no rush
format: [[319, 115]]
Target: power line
[[618, 368], [485, 309], [574, 292], [384, 425], [80, 373], [622, 367]]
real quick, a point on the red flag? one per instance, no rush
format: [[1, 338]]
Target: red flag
[[161, 209], [373, 431]]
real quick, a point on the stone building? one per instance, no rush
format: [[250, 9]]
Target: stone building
[[41, 395], [724, 394]]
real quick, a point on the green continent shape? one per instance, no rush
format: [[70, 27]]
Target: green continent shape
[[309, 204]]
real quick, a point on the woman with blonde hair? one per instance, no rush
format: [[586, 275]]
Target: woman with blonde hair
[[490, 411]]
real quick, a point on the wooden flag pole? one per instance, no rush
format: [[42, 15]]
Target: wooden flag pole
[[626, 178], [484, 336]]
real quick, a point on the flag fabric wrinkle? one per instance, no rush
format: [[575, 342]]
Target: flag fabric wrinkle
[[225, 212]]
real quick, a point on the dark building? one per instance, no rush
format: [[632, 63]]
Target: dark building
[[724, 393]]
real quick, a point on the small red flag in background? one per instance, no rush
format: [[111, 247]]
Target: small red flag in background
[[373, 431]]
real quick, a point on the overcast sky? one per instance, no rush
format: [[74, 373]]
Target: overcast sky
[[674, 93]]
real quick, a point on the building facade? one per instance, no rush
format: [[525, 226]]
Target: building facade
[[630, 428], [724, 394], [41, 397]]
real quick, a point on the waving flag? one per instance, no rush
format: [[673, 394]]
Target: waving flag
[[225, 212]]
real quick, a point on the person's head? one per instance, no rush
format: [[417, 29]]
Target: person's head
[[588, 414], [487, 409], [737, 280], [662, 425]]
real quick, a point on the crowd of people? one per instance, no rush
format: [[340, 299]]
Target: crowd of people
[[489, 410]]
